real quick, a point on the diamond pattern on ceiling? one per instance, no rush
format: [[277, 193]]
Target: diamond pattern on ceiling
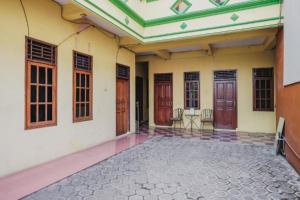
[[219, 2], [234, 17], [181, 6], [183, 26]]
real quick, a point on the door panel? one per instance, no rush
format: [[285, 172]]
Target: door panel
[[122, 106], [163, 102], [225, 114]]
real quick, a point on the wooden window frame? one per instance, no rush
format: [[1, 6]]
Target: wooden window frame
[[28, 62], [184, 90], [271, 109], [86, 72]]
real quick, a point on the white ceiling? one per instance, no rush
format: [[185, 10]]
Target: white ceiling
[[239, 43], [220, 45], [146, 53], [101, 22], [186, 48], [107, 25]]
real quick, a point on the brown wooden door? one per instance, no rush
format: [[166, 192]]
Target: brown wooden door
[[122, 106], [225, 114], [163, 99]]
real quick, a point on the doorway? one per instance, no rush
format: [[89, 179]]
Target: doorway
[[122, 100], [163, 99], [139, 98], [225, 98], [141, 94]]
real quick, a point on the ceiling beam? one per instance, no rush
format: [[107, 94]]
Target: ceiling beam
[[270, 42], [128, 41], [208, 47], [203, 40], [237, 50], [164, 54], [203, 53], [73, 12]]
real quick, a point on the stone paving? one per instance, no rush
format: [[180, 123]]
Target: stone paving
[[176, 168]]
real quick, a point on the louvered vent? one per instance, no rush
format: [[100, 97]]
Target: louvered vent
[[122, 72], [191, 76], [41, 51], [225, 75], [82, 61], [163, 77], [263, 72]]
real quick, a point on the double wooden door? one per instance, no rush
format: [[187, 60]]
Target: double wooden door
[[225, 112], [163, 99], [122, 103]]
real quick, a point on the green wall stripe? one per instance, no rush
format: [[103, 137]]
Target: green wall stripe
[[128, 11], [138, 36], [149, 1]]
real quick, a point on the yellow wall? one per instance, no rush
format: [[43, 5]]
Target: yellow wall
[[20, 149], [248, 120]]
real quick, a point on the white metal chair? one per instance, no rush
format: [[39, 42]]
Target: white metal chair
[[177, 117], [206, 117]]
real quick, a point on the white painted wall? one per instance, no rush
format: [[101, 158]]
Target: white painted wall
[[291, 41]]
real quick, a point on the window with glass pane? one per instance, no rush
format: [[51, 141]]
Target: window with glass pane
[[82, 102], [263, 89], [40, 85], [191, 90]]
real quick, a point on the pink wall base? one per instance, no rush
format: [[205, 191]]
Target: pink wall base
[[25, 182]]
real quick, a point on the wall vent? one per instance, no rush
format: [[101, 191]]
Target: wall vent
[[41, 51], [163, 77], [82, 61], [191, 76], [263, 72], [123, 72], [225, 75]]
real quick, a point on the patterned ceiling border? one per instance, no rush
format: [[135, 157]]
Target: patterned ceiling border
[[218, 3], [187, 3], [192, 15], [220, 27], [268, 22]]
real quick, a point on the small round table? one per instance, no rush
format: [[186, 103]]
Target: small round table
[[192, 118]]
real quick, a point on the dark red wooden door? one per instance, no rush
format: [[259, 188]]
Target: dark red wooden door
[[163, 100], [122, 100], [225, 114]]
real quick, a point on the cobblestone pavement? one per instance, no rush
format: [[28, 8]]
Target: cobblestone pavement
[[176, 168]]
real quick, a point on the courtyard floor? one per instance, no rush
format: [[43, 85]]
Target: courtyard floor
[[215, 165]]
